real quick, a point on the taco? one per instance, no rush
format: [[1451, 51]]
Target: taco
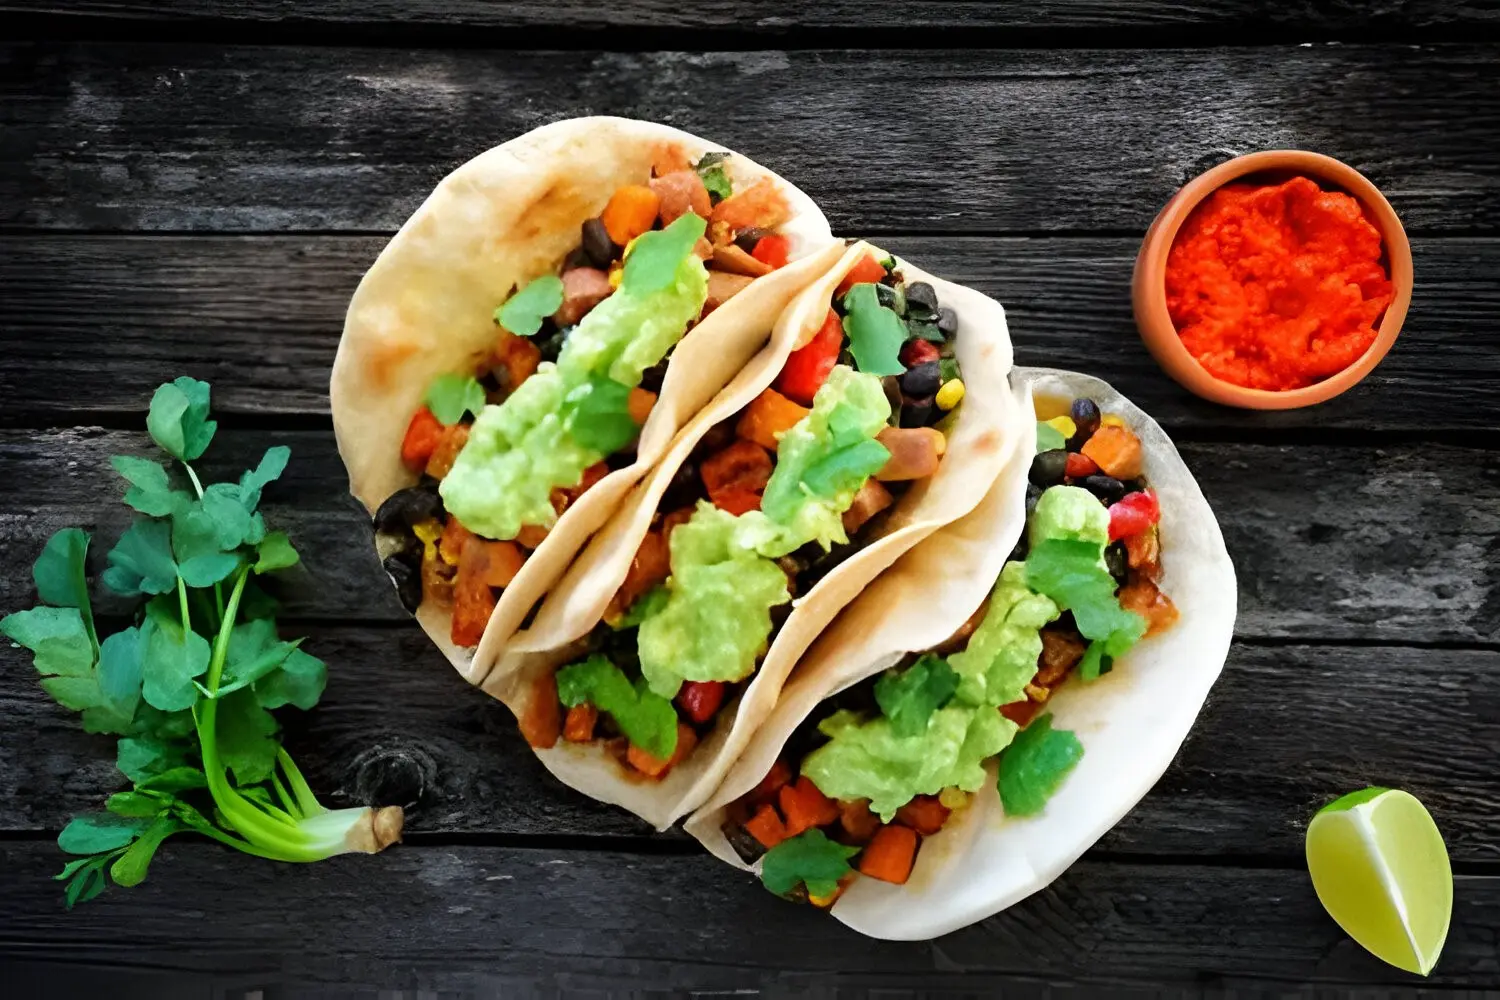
[[1001, 697], [528, 344], [878, 412]]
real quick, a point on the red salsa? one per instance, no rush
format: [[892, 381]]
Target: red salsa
[[1277, 286]]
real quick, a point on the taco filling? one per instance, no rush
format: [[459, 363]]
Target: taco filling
[[883, 764], [503, 449], [769, 501]]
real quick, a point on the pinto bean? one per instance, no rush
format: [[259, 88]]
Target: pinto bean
[[583, 289], [681, 192]]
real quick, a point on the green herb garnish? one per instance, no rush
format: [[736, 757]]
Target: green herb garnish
[[651, 265], [190, 684], [648, 720], [598, 415], [875, 333], [809, 858], [449, 397], [711, 170], [909, 697], [1072, 573], [523, 312], [1033, 767]]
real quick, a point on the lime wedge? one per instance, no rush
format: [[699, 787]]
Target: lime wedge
[[1380, 869]]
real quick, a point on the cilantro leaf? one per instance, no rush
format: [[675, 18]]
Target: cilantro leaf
[[598, 414], [178, 420], [711, 169], [141, 758], [299, 681], [523, 312], [449, 397], [121, 662], [845, 469], [646, 606], [92, 833], [130, 868], [1049, 438], [875, 333], [809, 858], [85, 878], [225, 512], [1033, 767], [174, 656], [1072, 573], [134, 805], [909, 697], [254, 651], [150, 492], [246, 738], [64, 656], [646, 718], [275, 552], [179, 779], [141, 561], [272, 465], [59, 571], [652, 263]]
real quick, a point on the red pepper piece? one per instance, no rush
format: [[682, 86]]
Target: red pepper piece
[[867, 270], [1136, 513], [808, 367], [699, 700], [1080, 466], [773, 250], [918, 352], [422, 437]]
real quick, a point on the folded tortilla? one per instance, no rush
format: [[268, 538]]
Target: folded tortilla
[[988, 430], [507, 216], [1131, 721]]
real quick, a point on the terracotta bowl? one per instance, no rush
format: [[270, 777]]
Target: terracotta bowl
[[1149, 287]]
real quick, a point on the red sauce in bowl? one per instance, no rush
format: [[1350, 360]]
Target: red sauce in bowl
[[1277, 286]]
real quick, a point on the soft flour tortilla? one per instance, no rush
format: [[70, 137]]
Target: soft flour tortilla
[[1131, 721], [507, 216], [989, 428]]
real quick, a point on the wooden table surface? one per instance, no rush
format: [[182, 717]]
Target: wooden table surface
[[191, 187]]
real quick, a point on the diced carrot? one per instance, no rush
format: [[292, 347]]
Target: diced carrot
[[866, 270], [890, 854], [1061, 652], [766, 827], [563, 498], [445, 454], [1146, 599], [502, 561], [1116, 450], [858, 822], [682, 515], [654, 767], [768, 416], [631, 211], [451, 543], [808, 366], [761, 205], [650, 566], [517, 358], [775, 779], [639, 404], [735, 477], [699, 700], [805, 806], [871, 499], [1143, 551], [422, 436], [531, 535], [773, 250], [1021, 712], [916, 452], [924, 814], [541, 723], [473, 598], [580, 723]]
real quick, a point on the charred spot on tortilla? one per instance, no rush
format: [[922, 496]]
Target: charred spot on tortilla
[[562, 206], [388, 359]]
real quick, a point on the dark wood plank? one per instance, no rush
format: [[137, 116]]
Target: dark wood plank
[[105, 136], [1287, 729], [783, 17], [260, 318], [480, 918], [1392, 545]]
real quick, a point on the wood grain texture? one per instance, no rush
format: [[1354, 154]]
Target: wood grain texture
[[260, 317], [1396, 545], [783, 18], [465, 918], [1287, 729], [101, 136]]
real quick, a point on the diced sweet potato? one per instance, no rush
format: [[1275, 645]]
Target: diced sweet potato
[[1116, 450], [668, 158], [580, 723], [446, 453], [680, 192], [650, 566], [655, 767], [639, 404], [735, 477], [451, 544], [631, 211], [541, 723], [1061, 652], [768, 416], [871, 499], [766, 791], [1143, 552], [422, 437], [916, 452], [531, 535], [761, 205], [858, 822], [1145, 599], [680, 516], [804, 806], [1021, 712], [924, 814], [890, 854], [497, 563], [515, 359], [473, 598], [766, 826]]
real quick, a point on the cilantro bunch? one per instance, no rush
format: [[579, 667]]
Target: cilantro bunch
[[190, 685]]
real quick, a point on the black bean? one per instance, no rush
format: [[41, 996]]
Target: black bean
[[1033, 494], [920, 293], [846, 357], [684, 489], [916, 411], [747, 847], [1118, 560], [1086, 415], [578, 258], [892, 298], [407, 507], [653, 377], [922, 380], [551, 344], [1049, 467], [947, 321], [1107, 488], [600, 248], [747, 238], [716, 438], [405, 570]]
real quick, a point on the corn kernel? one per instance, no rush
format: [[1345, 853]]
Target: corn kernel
[[1064, 426], [824, 902], [615, 276], [953, 798], [950, 395], [1111, 420], [429, 530]]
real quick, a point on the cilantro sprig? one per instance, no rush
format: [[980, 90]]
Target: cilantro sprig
[[189, 686], [875, 332], [523, 312], [909, 697], [711, 169], [1033, 767], [809, 858]]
